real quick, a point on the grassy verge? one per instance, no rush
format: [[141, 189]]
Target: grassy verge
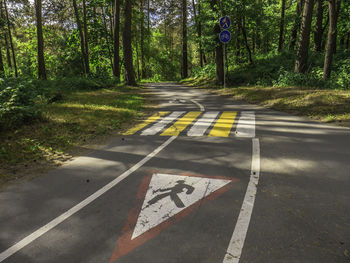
[[326, 105], [81, 118]]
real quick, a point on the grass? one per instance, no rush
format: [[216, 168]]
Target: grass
[[326, 105], [79, 119]]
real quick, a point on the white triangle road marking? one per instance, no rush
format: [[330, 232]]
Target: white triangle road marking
[[167, 195]]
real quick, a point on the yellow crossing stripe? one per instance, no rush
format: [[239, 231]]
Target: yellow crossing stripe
[[181, 124], [150, 120], [223, 125]]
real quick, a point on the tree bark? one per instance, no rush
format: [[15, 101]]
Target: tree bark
[[244, 33], [86, 39], [116, 45], [199, 30], [219, 51], [127, 48], [8, 54], [296, 26], [107, 36], [304, 40], [81, 36], [10, 37], [281, 38], [347, 45], [142, 40], [332, 6], [337, 10], [40, 39], [2, 70], [318, 26], [184, 40]]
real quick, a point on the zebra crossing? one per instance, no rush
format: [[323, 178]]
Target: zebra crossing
[[197, 123]]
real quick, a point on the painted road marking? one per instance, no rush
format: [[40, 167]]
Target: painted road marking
[[234, 250], [159, 126], [199, 128], [150, 120], [246, 125], [41, 231], [224, 124], [181, 124], [167, 198], [201, 107]]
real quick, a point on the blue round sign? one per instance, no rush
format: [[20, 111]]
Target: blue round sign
[[225, 22], [225, 36]]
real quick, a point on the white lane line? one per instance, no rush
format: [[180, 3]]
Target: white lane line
[[234, 250], [159, 126], [30, 238], [246, 125], [201, 107], [201, 125]]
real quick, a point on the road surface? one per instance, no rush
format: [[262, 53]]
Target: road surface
[[203, 179]]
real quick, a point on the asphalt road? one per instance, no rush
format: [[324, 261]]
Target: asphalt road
[[205, 179]]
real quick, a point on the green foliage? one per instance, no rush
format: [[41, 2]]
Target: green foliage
[[21, 100]]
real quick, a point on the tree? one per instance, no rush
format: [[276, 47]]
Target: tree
[[11, 41], [318, 26], [39, 29], [184, 40], [281, 38], [82, 39], [296, 25], [116, 45], [332, 6], [219, 52], [86, 42], [127, 48], [304, 40]]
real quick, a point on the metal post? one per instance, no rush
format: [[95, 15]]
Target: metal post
[[224, 66]]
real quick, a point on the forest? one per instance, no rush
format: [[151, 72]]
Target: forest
[[50, 49]]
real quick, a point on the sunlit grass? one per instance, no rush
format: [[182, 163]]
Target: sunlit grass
[[325, 105], [78, 119]]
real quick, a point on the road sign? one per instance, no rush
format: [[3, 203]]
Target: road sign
[[167, 199], [225, 22], [225, 36]]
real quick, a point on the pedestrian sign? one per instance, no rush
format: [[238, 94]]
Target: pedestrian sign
[[225, 36], [225, 22], [164, 200]]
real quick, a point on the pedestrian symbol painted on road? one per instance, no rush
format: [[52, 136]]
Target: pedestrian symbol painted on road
[[167, 198], [173, 193], [225, 36], [225, 22]]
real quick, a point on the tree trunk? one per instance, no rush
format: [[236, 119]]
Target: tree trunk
[[244, 33], [127, 48], [347, 45], [39, 29], [11, 42], [81, 36], [296, 26], [8, 54], [304, 39], [199, 31], [219, 52], [281, 39], [184, 40], [332, 6], [2, 70], [318, 26], [106, 36], [116, 45], [337, 10], [86, 41], [142, 40]]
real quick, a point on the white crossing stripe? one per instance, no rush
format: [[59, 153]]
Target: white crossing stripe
[[201, 125], [246, 125], [159, 126]]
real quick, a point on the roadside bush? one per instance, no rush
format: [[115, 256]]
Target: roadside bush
[[21, 100]]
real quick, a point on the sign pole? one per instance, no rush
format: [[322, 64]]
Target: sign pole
[[224, 65]]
